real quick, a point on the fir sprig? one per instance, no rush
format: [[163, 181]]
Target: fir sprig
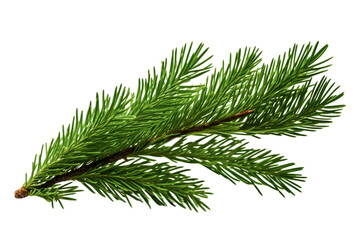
[[110, 148], [230, 158]]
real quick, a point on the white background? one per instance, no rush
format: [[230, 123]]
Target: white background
[[55, 55]]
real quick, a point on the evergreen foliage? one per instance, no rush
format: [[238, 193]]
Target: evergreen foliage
[[110, 148]]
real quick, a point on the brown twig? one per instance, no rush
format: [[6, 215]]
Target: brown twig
[[22, 192]]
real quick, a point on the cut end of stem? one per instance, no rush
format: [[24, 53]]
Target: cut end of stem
[[21, 193]]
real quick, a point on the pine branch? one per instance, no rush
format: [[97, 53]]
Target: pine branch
[[231, 159], [125, 153], [306, 108], [109, 148], [142, 181]]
